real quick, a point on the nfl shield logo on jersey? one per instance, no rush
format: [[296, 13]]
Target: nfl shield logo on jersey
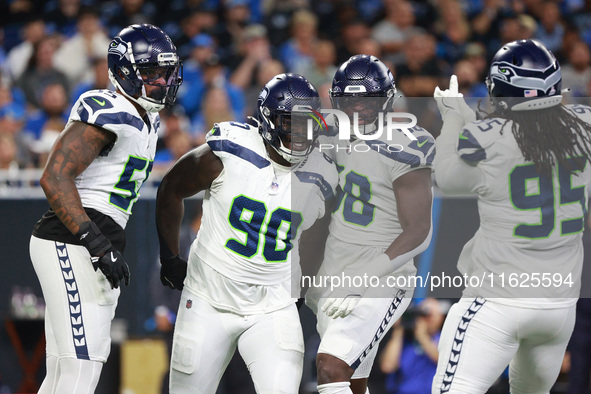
[[274, 188], [189, 304]]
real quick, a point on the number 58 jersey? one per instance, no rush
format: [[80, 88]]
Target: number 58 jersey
[[255, 211], [111, 183], [366, 210]]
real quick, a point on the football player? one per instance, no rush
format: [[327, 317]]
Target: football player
[[527, 163], [382, 219], [92, 180], [263, 186]]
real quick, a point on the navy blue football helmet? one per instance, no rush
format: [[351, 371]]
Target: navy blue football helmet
[[283, 107], [524, 75], [364, 77], [143, 55]]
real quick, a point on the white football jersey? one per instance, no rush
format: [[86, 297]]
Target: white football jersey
[[255, 211], [111, 183], [314, 182], [366, 212], [530, 224]]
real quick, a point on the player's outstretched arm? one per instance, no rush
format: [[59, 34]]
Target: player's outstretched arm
[[194, 172], [76, 147], [414, 198], [453, 175]]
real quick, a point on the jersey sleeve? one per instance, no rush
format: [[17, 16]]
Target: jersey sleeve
[[402, 155], [421, 151], [476, 138], [582, 111], [313, 184], [107, 110], [321, 172], [237, 140]]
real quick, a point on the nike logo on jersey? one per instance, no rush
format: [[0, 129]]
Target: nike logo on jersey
[[101, 103], [113, 259], [462, 136], [420, 144], [83, 236]]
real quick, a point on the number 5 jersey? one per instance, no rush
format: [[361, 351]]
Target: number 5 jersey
[[110, 185]]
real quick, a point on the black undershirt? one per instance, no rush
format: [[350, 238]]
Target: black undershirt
[[50, 227]]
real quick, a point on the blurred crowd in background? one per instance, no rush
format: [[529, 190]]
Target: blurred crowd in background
[[52, 51]]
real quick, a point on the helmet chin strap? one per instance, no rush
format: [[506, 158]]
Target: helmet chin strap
[[293, 159], [148, 105], [283, 152]]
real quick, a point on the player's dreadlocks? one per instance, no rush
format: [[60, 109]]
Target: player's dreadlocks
[[549, 136]]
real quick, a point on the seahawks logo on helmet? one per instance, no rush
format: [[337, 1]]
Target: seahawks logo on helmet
[[118, 48], [543, 80], [504, 72]]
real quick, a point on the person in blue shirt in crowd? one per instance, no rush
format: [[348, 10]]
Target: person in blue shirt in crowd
[[409, 359]]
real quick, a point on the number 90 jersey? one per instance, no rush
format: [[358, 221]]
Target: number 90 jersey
[[111, 183], [529, 222], [255, 210]]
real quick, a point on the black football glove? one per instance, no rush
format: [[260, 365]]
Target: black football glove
[[103, 255], [113, 266], [173, 271]]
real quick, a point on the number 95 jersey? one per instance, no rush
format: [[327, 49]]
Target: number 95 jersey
[[252, 214], [112, 181], [530, 223]]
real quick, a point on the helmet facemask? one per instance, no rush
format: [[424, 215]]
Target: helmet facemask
[[365, 110], [287, 132], [163, 79]]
